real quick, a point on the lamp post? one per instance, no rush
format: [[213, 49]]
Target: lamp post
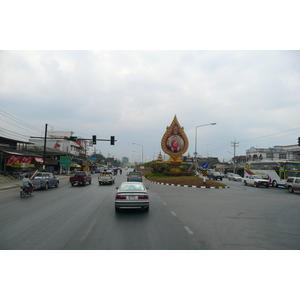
[[196, 162], [142, 151]]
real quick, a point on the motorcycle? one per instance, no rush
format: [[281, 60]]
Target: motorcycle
[[26, 191]]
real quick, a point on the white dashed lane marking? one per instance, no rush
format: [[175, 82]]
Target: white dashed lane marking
[[188, 230]]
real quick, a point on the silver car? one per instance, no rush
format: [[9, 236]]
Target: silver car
[[132, 195]]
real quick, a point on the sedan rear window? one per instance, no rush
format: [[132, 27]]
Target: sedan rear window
[[132, 187]]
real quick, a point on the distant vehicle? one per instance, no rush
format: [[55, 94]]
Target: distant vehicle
[[256, 181], [135, 176], [132, 195], [81, 178], [44, 180], [276, 172], [106, 178], [234, 177], [215, 176], [293, 184]]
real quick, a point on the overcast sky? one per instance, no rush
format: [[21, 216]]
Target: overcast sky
[[253, 96]]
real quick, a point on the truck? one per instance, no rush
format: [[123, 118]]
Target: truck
[[44, 180], [135, 176], [256, 181], [214, 176], [81, 178], [106, 177]]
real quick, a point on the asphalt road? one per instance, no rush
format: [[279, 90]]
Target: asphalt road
[[179, 218]]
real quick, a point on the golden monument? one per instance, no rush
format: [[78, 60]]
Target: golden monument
[[174, 143]]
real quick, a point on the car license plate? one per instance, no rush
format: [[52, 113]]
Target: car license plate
[[132, 197]]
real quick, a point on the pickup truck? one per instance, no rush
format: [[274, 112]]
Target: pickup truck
[[292, 184], [135, 176], [106, 178], [81, 178], [256, 181], [44, 180]]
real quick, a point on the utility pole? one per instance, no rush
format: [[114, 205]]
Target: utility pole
[[45, 143], [234, 145]]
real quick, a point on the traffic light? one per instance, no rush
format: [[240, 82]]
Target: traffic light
[[112, 140], [298, 141], [94, 139], [73, 138]]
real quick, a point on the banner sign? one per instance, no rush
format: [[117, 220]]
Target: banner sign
[[18, 161], [39, 159], [93, 158]]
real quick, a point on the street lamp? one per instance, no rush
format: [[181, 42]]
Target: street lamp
[[196, 164], [142, 151]]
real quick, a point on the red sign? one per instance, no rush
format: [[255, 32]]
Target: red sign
[[13, 159]]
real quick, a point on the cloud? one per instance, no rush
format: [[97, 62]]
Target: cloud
[[134, 95]]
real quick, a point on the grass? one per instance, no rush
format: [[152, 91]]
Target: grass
[[181, 180]]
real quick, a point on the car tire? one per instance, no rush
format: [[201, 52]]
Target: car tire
[[245, 182], [146, 208], [46, 186], [255, 184], [57, 184], [72, 183], [117, 209], [274, 184], [290, 189]]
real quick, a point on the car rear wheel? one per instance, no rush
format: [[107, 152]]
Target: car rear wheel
[[274, 183], [46, 186], [56, 185], [117, 209], [245, 182]]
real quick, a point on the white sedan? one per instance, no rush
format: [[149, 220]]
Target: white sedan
[[132, 195]]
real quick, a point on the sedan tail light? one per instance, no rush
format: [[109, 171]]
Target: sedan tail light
[[143, 197], [120, 197]]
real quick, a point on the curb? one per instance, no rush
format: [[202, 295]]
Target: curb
[[190, 186]]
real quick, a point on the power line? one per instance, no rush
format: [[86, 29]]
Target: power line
[[7, 115]]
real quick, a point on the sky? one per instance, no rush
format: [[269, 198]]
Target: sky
[[225, 63], [253, 96]]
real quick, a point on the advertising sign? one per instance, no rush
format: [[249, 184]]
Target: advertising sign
[[18, 161]]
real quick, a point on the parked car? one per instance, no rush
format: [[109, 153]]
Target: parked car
[[256, 181], [234, 177], [132, 195], [292, 184], [44, 180], [135, 176]]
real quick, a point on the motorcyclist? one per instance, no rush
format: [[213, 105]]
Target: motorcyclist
[[27, 184]]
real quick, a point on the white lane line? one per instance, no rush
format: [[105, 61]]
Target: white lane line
[[164, 203], [188, 230], [172, 212], [84, 236]]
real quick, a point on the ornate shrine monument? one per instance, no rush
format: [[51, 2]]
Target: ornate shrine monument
[[174, 143]]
